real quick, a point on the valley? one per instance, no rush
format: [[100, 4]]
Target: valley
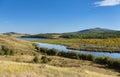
[[28, 61]]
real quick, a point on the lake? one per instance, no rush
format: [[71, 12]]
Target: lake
[[64, 48], [25, 38]]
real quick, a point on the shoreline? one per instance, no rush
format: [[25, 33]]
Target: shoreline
[[67, 47], [93, 50]]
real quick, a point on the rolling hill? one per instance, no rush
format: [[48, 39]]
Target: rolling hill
[[19, 46], [15, 34], [99, 33], [95, 30]]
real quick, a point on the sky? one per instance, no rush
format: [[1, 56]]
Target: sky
[[58, 16]]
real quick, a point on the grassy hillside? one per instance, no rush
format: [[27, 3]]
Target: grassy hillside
[[23, 66], [19, 46], [70, 68], [95, 30], [14, 34]]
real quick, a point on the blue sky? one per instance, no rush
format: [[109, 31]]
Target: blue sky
[[57, 16]]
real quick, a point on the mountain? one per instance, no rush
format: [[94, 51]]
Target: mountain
[[99, 33], [15, 34], [19, 46], [95, 30]]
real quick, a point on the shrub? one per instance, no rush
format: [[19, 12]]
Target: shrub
[[53, 52], [45, 59], [102, 60], [36, 59], [62, 53], [2, 53], [109, 62], [6, 51], [12, 52], [36, 46], [90, 57], [43, 50], [72, 55]]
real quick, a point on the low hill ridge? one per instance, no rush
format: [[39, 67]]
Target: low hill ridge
[[16, 44], [95, 30]]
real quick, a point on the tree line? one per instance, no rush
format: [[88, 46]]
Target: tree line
[[103, 35]]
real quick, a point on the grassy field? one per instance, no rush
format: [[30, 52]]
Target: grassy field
[[19, 46], [58, 67], [22, 65], [104, 45]]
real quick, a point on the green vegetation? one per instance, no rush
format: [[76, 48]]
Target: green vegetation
[[95, 33], [36, 59], [109, 62], [102, 45], [45, 59], [88, 35], [47, 35], [103, 35], [6, 51]]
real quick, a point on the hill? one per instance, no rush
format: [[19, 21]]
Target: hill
[[15, 34], [19, 46], [46, 35], [95, 30], [99, 33]]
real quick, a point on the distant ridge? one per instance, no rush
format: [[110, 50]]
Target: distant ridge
[[95, 30], [99, 33], [15, 34]]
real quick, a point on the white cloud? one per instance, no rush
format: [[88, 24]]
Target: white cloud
[[107, 3]]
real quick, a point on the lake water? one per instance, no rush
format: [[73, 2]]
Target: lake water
[[25, 38], [64, 48]]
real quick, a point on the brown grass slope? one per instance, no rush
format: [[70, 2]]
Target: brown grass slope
[[19, 69], [19, 46]]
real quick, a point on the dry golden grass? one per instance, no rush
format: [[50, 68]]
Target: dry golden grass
[[16, 44], [14, 69], [58, 67]]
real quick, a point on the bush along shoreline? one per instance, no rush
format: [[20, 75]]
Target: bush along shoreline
[[107, 61]]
